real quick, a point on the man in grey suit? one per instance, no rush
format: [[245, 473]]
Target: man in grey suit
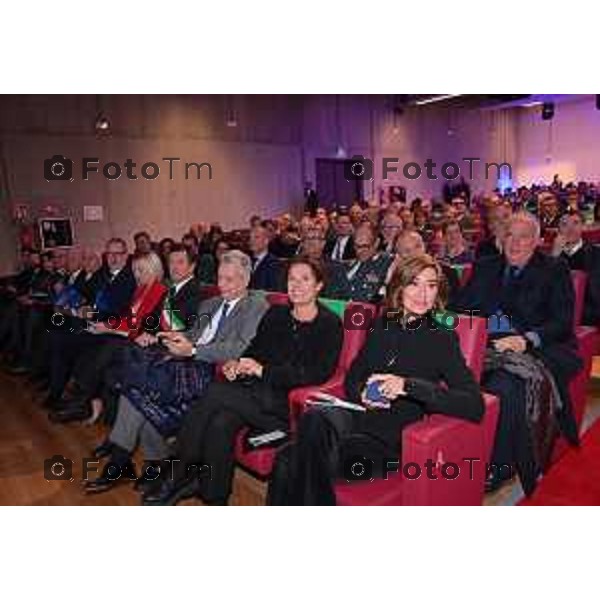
[[224, 327], [225, 324]]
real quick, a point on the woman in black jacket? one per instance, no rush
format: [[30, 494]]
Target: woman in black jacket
[[295, 345], [396, 376]]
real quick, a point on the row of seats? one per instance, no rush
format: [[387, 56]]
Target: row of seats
[[438, 438]]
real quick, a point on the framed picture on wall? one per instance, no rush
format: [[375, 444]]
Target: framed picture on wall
[[55, 233]]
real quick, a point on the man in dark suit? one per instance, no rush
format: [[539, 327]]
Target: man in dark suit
[[266, 268], [114, 284], [336, 284], [535, 292], [342, 246], [580, 256]]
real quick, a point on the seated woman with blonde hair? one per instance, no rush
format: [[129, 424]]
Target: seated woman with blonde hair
[[94, 364]]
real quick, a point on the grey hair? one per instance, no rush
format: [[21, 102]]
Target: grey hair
[[240, 260], [525, 217]]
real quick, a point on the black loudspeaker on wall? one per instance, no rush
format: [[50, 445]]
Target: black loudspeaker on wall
[[598, 101], [547, 111]]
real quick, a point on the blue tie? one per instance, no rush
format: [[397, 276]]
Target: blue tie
[[224, 312]]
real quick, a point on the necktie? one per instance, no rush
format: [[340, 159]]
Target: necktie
[[337, 252], [224, 312], [171, 318]]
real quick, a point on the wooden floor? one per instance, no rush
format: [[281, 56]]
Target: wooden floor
[[27, 439]]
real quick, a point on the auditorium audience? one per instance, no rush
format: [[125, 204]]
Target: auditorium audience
[[141, 377], [295, 345], [162, 381], [113, 286]]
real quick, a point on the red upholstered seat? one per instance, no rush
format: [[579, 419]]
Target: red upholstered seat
[[260, 462], [442, 439]]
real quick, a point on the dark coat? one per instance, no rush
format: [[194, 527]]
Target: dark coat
[[587, 259], [541, 300], [267, 275]]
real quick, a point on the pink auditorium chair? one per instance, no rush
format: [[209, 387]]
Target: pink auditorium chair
[[443, 440]]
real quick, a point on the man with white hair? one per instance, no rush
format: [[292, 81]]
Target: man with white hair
[[528, 298]]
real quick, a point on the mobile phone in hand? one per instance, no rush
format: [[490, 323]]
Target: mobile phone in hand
[[374, 395]]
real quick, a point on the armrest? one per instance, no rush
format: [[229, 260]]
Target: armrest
[[445, 440], [298, 396]]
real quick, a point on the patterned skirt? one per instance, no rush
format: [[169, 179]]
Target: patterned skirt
[[163, 387]]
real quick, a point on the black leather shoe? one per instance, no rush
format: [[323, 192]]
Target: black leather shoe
[[170, 492], [112, 476], [70, 414], [18, 369], [103, 450], [150, 480]]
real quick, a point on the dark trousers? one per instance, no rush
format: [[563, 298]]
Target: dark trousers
[[96, 365], [332, 443], [512, 444], [209, 430], [65, 348]]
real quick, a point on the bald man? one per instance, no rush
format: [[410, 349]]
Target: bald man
[[409, 244]]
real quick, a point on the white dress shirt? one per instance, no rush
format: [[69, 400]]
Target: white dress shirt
[[210, 331]]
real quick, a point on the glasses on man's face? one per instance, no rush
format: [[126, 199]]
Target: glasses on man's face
[[115, 253]]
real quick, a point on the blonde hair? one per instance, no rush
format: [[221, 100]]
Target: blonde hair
[[149, 263]]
